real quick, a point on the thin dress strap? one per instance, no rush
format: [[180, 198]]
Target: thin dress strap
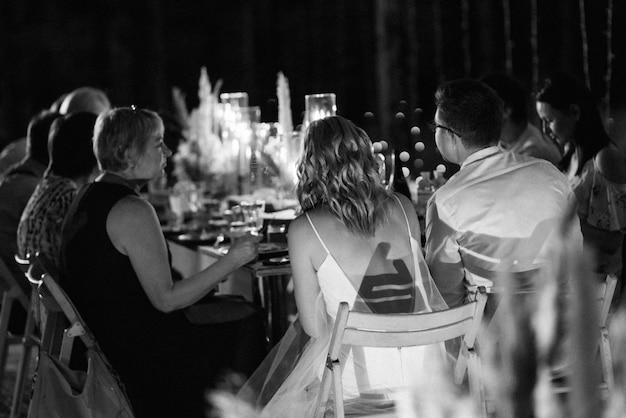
[[406, 218], [317, 233], [416, 268]]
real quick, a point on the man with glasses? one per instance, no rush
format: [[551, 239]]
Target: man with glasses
[[500, 214]]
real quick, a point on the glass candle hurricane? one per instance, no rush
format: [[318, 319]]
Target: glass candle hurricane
[[319, 106]]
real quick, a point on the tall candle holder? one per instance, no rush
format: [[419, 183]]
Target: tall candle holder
[[245, 142], [319, 106]]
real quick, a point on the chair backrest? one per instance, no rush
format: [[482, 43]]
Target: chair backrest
[[50, 289], [398, 330], [404, 330], [101, 390]]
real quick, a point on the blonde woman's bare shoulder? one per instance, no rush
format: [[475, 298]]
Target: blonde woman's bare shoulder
[[301, 238], [301, 223], [298, 224]]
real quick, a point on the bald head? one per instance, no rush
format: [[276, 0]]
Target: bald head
[[85, 99]]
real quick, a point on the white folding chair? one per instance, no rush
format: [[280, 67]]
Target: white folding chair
[[404, 330], [604, 298], [607, 292]]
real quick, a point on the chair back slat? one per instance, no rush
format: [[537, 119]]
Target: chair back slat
[[338, 330], [68, 308], [408, 338], [606, 297], [410, 322]]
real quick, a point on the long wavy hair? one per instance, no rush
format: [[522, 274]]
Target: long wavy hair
[[338, 169], [561, 91]]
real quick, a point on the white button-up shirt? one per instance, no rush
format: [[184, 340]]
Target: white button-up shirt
[[499, 214]]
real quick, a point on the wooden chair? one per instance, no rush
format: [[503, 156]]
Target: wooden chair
[[51, 320], [604, 298], [57, 301], [404, 330], [606, 360], [17, 293]]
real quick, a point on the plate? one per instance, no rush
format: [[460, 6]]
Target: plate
[[272, 247], [267, 250], [197, 238]]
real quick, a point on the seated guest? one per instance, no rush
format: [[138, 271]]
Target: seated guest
[[594, 165], [19, 182], [518, 134], [356, 242], [72, 163], [15, 151], [16, 186], [501, 212], [12, 153], [83, 99], [115, 266]]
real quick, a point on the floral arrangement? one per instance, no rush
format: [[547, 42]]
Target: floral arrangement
[[203, 156], [212, 153]]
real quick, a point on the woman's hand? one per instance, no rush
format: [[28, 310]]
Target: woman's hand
[[244, 249]]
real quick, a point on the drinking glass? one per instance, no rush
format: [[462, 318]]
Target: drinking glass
[[253, 215], [236, 230], [184, 198], [177, 206]]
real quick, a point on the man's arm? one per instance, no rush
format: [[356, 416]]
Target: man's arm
[[443, 256]]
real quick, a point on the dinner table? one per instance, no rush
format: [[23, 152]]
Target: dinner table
[[264, 281]]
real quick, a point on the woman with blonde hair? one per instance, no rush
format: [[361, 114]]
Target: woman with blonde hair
[[115, 266], [355, 241]]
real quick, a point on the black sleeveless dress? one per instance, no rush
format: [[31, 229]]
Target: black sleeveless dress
[[165, 362]]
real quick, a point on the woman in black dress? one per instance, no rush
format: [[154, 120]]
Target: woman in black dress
[[115, 266]]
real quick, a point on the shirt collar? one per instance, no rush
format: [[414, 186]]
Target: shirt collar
[[481, 154]]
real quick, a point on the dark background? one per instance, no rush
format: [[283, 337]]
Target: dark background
[[376, 55]]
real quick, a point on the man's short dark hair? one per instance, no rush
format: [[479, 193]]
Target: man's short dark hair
[[512, 92], [472, 109], [70, 145]]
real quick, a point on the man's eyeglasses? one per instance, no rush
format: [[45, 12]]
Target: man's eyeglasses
[[433, 127]]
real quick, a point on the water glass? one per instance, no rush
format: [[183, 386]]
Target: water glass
[[236, 230], [253, 215]]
